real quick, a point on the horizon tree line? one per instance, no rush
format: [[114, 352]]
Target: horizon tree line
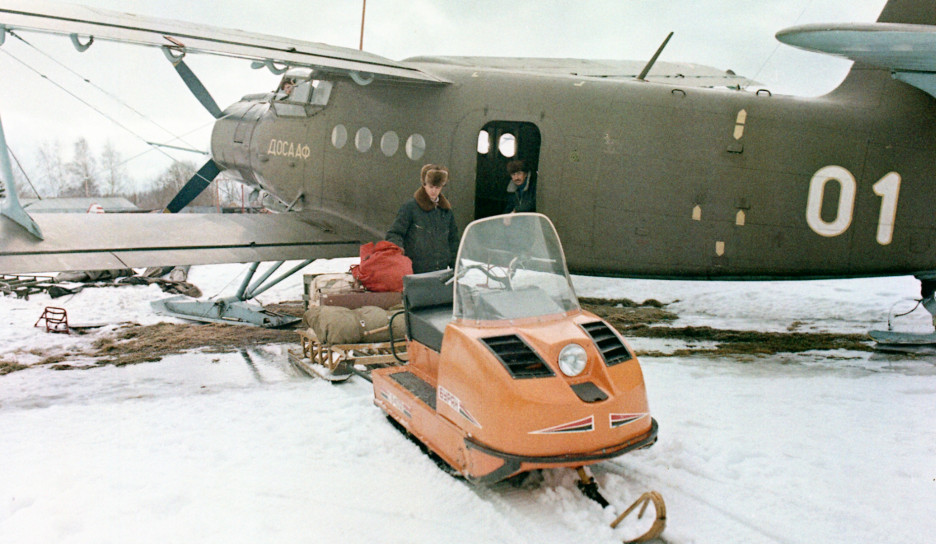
[[90, 174]]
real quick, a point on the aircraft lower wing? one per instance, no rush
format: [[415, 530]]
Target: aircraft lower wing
[[112, 241], [178, 37], [908, 50]]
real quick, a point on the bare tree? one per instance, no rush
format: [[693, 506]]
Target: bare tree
[[53, 177], [168, 184], [175, 177], [231, 192], [83, 171], [113, 177]]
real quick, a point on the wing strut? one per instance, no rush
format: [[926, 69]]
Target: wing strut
[[234, 309], [11, 206]]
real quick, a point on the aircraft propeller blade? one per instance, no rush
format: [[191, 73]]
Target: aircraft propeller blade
[[195, 85], [194, 186]]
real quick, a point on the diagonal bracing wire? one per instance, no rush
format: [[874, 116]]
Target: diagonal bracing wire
[[151, 145], [83, 101], [99, 88]]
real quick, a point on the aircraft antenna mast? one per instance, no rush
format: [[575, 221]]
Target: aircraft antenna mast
[[653, 59], [363, 9]]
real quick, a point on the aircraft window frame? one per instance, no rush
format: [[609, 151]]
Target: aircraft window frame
[[321, 92], [389, 143], [507, 139], [339, 136], [363, 139], [299, 94], [485, 142], [415, 146]]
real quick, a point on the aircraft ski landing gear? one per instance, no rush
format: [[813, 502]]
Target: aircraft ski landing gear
[[914, 342], [233, 309], [928, 296], [589, 488]]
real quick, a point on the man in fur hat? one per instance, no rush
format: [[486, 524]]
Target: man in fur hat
[[425, 225], [521, 195]]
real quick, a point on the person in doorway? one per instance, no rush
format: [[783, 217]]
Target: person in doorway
[[425, 225], [521, 195]]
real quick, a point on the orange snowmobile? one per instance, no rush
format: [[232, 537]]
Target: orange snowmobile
[[506, 372]]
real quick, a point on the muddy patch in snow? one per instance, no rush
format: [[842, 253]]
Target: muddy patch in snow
[[133, 343], [648, 319]]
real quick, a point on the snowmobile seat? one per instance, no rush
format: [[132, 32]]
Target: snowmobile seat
[[428, 302]]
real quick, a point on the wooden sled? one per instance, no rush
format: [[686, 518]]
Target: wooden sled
[[338, 362]]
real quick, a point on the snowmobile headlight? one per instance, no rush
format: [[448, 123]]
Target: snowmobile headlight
[[572, 360]]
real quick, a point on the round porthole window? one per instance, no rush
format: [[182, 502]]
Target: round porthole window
[[507, 145], [484, 142], [415, 147], [389, 143], [339, 136], [364, 139]]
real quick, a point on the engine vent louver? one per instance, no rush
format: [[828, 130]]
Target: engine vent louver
[[612, 349], [519, 358]]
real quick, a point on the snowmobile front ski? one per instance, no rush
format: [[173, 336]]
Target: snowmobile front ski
[[589, 488]]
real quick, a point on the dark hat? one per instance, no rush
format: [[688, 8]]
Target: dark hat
[[515, 166], [434, 175]]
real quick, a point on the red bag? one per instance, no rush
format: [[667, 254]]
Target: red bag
[[382, 267]]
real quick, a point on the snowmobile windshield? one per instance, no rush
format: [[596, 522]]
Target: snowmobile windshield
[[511, 267]]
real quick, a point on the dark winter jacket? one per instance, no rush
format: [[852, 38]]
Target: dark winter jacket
[[523, 199], [427, 233]]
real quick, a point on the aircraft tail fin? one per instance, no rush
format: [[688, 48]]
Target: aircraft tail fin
[[898, 44], [910, 12]]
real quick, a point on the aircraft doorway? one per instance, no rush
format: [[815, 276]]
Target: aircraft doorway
[[500, 142]]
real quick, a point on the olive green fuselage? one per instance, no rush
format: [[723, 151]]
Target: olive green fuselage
[[640, 179]]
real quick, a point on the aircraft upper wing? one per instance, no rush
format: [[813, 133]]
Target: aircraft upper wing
[[907, 50], [180, 37], [120, 240], [681, 73]]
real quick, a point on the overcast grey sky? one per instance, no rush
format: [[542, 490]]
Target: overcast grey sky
[[735, 34]]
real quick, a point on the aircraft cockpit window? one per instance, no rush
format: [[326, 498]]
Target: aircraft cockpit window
[[507, 145], [321, 93], [484, 142], [301, 92], [300, 95]]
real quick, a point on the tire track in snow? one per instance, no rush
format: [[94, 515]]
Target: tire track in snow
[[669, 488]]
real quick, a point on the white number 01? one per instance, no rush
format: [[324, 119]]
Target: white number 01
[[887, 188]]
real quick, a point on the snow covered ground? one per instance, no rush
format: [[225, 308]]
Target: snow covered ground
[[817, 447]]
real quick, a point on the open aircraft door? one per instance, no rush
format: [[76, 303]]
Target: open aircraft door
[[500, 142]]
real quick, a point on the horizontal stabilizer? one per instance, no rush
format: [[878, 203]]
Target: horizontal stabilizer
[[108, 241], [907, 50], [182, 37]]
